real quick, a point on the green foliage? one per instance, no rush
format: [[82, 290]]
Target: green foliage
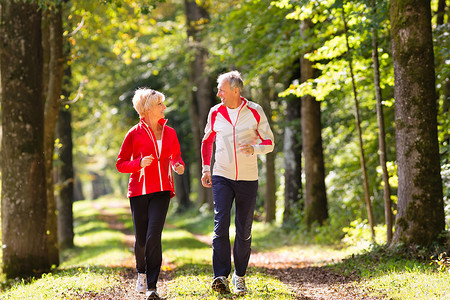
[[359, 236], [118, 49], [442, 261], [122, 46], [257, 46]]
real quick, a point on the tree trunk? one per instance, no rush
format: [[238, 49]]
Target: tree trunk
[[270, 191], [24, 204], [182, 186], [64, 203], [202, 97], [381, 134], [52, 103], [420, 219], [316, 207], [292, 161], [78, 193], [361, 144], [292, 149], [441, 12], [65, 176], [271, 188]]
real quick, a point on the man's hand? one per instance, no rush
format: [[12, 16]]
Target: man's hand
[[179, 168], [246, 148], [206, 179], [146, 161]]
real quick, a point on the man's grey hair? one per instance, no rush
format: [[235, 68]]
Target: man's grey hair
[[234, 79]]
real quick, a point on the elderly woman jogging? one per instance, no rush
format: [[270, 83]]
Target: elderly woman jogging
[[149, 152]]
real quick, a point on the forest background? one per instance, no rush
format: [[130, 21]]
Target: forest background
[[289, 53]]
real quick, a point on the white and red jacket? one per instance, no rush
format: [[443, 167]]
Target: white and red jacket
[[140, 141], [251, 127]]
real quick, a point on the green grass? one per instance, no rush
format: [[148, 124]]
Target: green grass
[[64, 284], [193, 275], [88, 267], [265, 237], [195, 284], [412, 284], [400, 276], [91, 266], [398, 273], [95, 243]]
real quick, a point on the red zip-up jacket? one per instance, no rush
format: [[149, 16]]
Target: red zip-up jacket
[[140, 141]]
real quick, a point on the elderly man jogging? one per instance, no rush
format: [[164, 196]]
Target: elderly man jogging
[[241, 131]]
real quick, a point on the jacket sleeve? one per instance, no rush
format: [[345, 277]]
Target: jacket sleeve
[[265, 134], [207, 143], [125, 161]]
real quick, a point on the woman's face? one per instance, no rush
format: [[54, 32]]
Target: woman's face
[[156, 111]]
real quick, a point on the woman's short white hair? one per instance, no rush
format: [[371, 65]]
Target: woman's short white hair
[[234, 79], [145, 98]]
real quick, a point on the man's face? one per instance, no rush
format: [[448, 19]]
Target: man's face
[[225, 92]]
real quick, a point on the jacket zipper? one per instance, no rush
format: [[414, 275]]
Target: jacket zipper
[[155, 145], [142, 174], [234, 141], [235, 152], [158, 153]]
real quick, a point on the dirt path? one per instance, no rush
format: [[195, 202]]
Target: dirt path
[[304, 278]]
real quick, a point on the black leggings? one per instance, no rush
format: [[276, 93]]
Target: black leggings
[[149, 214]]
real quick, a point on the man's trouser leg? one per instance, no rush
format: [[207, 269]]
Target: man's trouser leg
[[245, 197], [223, 196]]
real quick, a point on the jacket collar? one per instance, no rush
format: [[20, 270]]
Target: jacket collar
[[161, 121], [223, 109]]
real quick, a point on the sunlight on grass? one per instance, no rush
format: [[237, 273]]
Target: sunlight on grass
[[181, 248], [192, 221], [317, 254], [397, 274], [194, 272], [94, 264], [96, 244], [198, 286], [66, 285], [188, 286], [266, 287], [85, 268], [412, 285], [186, 256]]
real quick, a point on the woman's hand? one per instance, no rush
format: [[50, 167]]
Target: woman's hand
[[146, 161], [179, 168]]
